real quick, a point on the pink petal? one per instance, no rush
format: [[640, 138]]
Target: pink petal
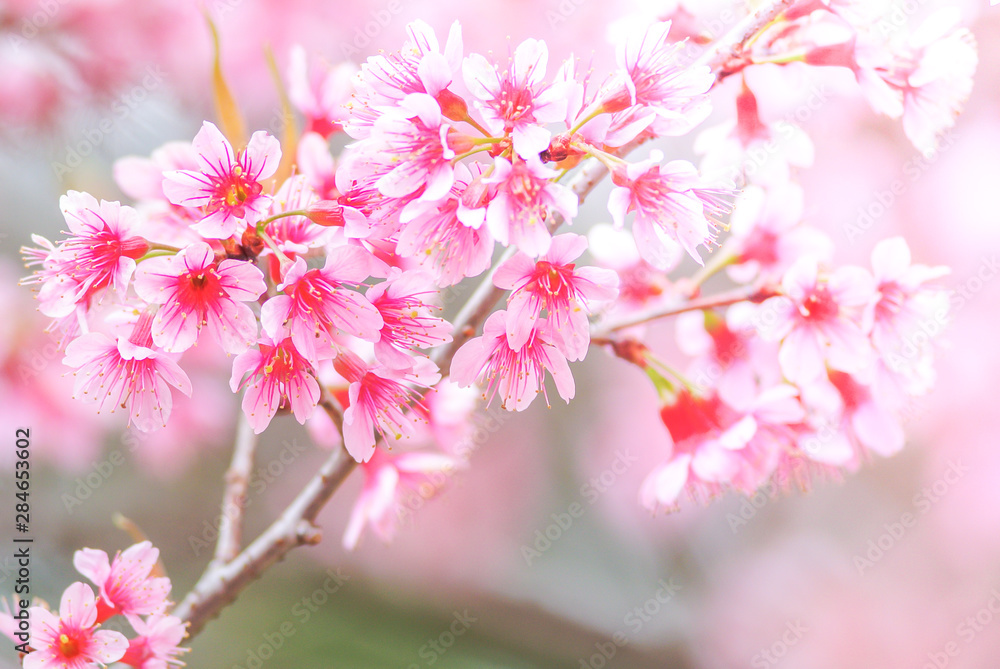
[[78, 606]]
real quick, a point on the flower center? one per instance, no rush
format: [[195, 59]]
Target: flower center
[[820, 305], [68, 647]]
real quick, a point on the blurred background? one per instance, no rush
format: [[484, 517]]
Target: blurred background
[[895, 566]]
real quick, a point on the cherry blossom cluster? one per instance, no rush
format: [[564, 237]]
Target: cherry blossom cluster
[[127, 586], [324, 276]]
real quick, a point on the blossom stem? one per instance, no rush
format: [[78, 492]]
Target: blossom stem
[[602, 331], [234, 498], [285, 214], [478, 149], [475, 124], [274, 247]]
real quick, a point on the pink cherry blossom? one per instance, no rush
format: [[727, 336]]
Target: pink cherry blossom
[[227, 188], [406, 317], [656, 80], [100, 254], [69, 640], [126, 586], [419, 67], [415, 141], [516, 101], [767, 234], [692, 421], [296, 235], [519, 213], [317, 303], [817, 320], [388, 477], [378, 398], [128, 373], [158, 643], [196, 293], [434, 234], [560, 288], [517, 374], [671, 205], [277, 376]]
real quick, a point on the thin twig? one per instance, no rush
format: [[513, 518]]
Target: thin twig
[[731, 46], [742, 294], [234, 497]]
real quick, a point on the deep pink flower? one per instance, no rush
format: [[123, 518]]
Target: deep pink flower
[[406, 317], [388, 477], [817, 320], [434, 234], [556, 285], [277, 376], [515, 100], [656, 80], [69, 640], [415, 138], [127, 374], [691, 421], [671, 207], [101, 253], [228, 186], [158, 643], [197, 293], [125, 584], [519, 213], [317, 303], [378, 399], [419, 67], [518, 374]]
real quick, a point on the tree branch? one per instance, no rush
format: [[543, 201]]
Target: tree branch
[[222, 582], [602, 330], [730, 47], [234, 497]]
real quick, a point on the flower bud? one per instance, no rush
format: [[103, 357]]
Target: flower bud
[[328, 213], [452, 106]]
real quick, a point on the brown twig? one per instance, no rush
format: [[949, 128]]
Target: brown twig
[[222, 582], [234, 497], [601, 331], [730, 48]]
